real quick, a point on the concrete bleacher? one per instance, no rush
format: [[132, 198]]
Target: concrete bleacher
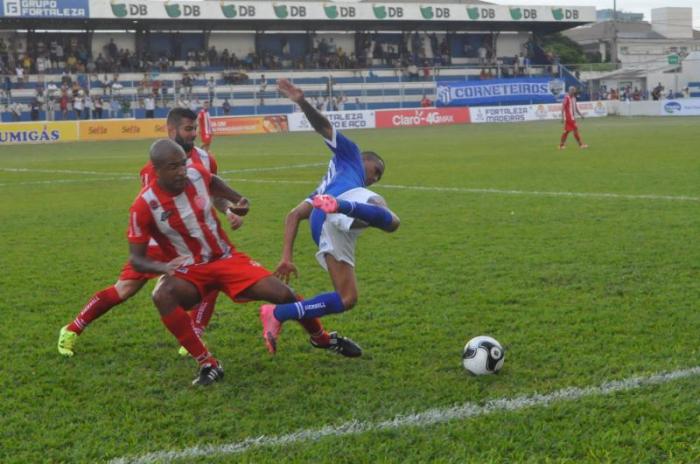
[[375, 89]]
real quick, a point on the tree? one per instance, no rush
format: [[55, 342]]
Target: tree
[[568, 51]]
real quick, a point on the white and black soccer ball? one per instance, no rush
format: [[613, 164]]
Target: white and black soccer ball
[[483, 355]]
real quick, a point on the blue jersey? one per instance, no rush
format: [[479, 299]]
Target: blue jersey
[[346, 171]]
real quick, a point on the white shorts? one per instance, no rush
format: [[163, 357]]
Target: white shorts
[[338, 237]]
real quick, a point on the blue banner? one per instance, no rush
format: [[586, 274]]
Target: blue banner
[[45, 8], [498, 91]]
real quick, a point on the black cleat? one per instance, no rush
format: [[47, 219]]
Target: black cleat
[[208, 374], [340, 345]]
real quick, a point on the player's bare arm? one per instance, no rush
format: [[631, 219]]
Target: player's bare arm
[[286, 266], [220, 189], [316, 119], [141, 262], [578, 111]]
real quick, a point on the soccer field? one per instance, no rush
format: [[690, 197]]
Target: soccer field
[[584, 264]]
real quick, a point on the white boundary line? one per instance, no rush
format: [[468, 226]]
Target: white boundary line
[[124, 176], [421, 419]]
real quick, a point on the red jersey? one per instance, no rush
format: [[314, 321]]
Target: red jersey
[[182, 225], [205, 132], [196, 157], [568, 106]]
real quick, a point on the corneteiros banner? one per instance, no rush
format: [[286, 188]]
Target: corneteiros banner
[[237, 10], [341, 120], [541, 112], [513, 91], [681, 107]]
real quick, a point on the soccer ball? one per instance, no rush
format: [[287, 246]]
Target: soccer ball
[[483, 355]]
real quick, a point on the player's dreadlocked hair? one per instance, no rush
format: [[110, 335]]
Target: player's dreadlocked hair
[[176, 115]]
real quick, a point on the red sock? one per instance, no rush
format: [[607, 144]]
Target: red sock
[[201, 314], [180, 325], [563, 138], [578, 139], [100, 303]]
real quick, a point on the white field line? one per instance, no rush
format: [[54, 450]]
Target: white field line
[[65, 171], [421, 419], [600, 195], [72, 181]]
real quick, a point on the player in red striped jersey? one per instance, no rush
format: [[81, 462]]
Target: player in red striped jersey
[[176, 210], [204, 123], [183, 130], [568, 117]]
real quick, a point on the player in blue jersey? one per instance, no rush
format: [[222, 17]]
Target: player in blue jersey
[[338, 210]]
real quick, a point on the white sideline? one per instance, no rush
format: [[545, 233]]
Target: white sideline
[[421, 419]]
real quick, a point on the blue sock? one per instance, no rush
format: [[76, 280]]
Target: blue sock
[[375, 216], [318, 306]]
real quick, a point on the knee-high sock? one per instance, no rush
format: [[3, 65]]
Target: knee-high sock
[[318, 306], [99, 304], [563, 137], [576, 136], [180, 325], [375, 216], [201, 314]]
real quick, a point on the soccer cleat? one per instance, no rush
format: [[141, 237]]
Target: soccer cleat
[[562, 147], [66, 341], [583, 145], [209, 373], [326, 203], [271, 327], [340, 345]]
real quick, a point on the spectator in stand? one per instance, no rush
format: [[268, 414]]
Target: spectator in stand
[[657, 92], [78, 104], [63, 105], [16, 112], [263, 87], [98, 107], [35, 108], [7, 87], [149, 104], [426, 102], [226, 107], [89, 106], [114, 108], [50, 108], [426, 71], [211, 88], [186, 84]]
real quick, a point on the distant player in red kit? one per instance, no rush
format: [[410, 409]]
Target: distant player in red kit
[[568, 117], [204, 123]]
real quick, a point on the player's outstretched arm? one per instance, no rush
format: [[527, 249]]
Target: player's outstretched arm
[[286, 266], [316, 119]]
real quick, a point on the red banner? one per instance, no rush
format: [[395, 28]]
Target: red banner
[[422, 117]]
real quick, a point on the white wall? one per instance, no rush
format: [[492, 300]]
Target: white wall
[[239, 43], [123, 40], [674, 23], [511, 44]]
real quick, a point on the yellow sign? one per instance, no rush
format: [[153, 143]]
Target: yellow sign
[[38, 132], [127, 129]]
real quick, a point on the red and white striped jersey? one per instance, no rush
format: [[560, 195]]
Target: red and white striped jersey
[[568, 106], [196, 156], [182, 225]]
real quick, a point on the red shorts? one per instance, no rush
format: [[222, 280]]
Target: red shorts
[[570, 125], [231, 275], [129, 273]]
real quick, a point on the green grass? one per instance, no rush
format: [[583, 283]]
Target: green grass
[[580, 290]]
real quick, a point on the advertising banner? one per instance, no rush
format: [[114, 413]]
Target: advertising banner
[[341, 120], [542, 112], [38, 132], [124, 129], [518, 90], [240, 10], [45, 8], [248, 125], [681, 107], [421, 117]]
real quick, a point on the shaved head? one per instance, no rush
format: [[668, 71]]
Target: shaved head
[[162, 150]]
